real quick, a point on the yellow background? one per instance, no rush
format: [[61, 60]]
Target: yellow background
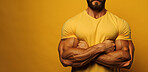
[[30, 31]]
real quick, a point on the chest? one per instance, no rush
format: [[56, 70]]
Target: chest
[[96, 30]]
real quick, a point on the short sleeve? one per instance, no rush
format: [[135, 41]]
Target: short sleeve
[[68, 30], [124, 31]]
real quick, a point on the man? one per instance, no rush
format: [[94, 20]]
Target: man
[[96, 40]]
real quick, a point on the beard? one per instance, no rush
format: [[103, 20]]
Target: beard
[[97, 6]]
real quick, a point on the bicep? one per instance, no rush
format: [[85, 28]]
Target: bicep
[[63, 46], [122, 45], [122, 54], [131, 49], [67, 43], [123, 41], [125, 47]]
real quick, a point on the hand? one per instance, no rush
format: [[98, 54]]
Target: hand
[[109, 46], [82, 44]]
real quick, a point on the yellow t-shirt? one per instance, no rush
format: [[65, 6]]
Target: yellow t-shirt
[[94, 31]]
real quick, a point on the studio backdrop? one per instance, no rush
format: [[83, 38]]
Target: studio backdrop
[[30, 31]]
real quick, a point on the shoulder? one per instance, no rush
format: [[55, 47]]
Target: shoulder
[[116, 19], [74, 19]]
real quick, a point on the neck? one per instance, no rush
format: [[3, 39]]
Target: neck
[[96, 14]]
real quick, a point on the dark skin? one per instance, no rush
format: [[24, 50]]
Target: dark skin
[[116, 58], [77, 53], [122, 57], [77, 57]]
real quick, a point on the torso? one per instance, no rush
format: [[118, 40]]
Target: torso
[[95, 31]]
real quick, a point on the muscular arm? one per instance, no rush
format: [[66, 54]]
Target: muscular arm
[[122, 57], [128, 64], [70, 55], [76, 57]]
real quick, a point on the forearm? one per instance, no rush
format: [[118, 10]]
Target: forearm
[[80, 54], [114, 59], [78, 57], [82, 63]]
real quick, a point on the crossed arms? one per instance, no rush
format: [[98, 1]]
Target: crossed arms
[[77, 54]]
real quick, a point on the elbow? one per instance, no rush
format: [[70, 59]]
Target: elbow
[[127, 63], [127, 66], [66, 63], [126, 60]]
